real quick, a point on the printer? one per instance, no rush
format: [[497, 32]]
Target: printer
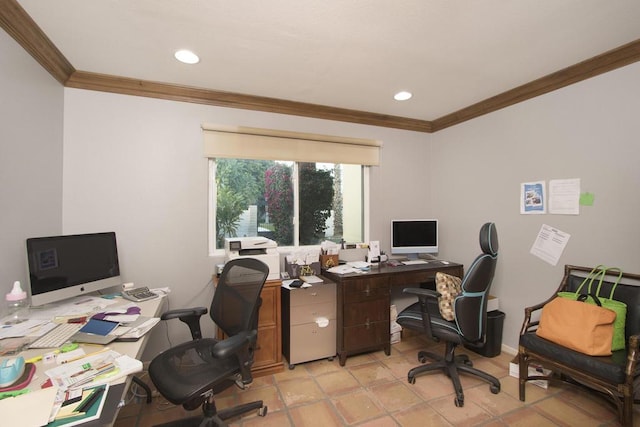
[[261, 248]]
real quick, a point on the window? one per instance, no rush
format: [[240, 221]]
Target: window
[[284, 186], [293, 203]]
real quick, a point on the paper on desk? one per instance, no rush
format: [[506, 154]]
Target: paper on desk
[[22, 329], [344, 269], [30, 409], [65, 376], [362, 265]]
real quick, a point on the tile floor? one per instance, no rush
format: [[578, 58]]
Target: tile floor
[[371, 390]]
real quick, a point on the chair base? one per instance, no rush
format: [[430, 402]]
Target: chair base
[[452, 365], [217, 418]]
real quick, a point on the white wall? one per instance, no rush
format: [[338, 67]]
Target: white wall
[[135, 165], [30, 158], [587, 131]]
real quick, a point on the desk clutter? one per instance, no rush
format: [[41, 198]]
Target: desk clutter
[[59, 382]]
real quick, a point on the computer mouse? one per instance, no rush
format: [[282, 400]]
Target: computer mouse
[[11, 370]]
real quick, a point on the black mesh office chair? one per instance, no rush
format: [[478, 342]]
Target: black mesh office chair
[[190, 374], [470, 318]]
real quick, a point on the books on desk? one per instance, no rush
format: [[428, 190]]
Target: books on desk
[[86, 407], [96, 368]]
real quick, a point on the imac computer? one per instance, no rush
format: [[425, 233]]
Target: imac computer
[[412, 237], [62, 267]]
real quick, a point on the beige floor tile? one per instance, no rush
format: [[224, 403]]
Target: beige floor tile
[[399, 365], [386, 421], [319, 367], [470, 414], [315, 415], [421, 415], [338, 382], [357, 407], [300, 390], [527, 417], [372, 373], [395, 396], [565, 414], [495, 404]]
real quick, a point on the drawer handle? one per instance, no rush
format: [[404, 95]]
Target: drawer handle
[[367, 324]]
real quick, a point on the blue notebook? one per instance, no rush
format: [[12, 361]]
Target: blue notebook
[[98, 327]]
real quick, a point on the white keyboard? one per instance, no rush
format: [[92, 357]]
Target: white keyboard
[[57, 336], [414, 261]]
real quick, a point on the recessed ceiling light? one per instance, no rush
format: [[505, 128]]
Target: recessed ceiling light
[[402, 96], [187, 56]]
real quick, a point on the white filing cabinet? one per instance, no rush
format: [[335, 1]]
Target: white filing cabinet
[[309, 323]]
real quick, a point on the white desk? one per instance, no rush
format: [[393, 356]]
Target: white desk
[[117, 389]]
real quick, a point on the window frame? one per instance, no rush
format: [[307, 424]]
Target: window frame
[[212, 198]]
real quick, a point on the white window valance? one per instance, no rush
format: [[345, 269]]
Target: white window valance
[[239, 142]]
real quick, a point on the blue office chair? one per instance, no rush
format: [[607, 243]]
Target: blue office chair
[[470, 318], [192, 373]]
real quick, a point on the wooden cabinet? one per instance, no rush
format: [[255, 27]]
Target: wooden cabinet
[[268, 354], [363, 303], [305, 336], [363, 316]]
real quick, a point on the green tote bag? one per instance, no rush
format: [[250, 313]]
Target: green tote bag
[[598, 273]]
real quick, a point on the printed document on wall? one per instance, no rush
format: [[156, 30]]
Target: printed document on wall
[[532, 198], [564, 196], [550, 244]]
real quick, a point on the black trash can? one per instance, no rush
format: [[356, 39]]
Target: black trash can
[[493, 342]]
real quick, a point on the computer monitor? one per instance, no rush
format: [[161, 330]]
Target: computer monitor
[[62, 267], [412, 237]]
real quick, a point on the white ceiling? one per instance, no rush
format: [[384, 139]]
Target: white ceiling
[[351, 54]]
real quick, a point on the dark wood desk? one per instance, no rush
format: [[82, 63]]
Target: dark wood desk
[[364, 299]]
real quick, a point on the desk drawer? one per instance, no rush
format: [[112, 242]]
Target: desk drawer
[[314, 295], [312, 342], [359, 313], [309, 313], [365, 336], [365, 289]]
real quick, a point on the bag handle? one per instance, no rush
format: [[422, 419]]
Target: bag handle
[[583, 298], [615, 284], [599, 270]]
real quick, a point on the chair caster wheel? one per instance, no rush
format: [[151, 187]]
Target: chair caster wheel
[[292, 367], [459, 402], [262, 412], [494, 389], [411, 379]]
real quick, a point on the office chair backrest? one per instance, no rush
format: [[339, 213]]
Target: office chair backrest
[[237, 297], [471, 307]]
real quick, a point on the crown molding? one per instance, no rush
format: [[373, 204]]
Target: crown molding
[[19, 25]]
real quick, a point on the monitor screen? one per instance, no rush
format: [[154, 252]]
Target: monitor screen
[[414, 236], [62, 267]]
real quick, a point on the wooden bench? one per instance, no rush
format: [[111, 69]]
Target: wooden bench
[[612, 376]]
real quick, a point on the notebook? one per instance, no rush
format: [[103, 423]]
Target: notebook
[[96, 332]]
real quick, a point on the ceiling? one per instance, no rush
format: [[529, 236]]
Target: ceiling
[[349, 55]]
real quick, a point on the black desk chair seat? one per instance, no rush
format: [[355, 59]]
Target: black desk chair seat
[[192, 373], [470, 319]]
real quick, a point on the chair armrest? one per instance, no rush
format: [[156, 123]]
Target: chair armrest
[[423, 296], [190, 316], [528, 325], [231, 346], [420, 292]]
